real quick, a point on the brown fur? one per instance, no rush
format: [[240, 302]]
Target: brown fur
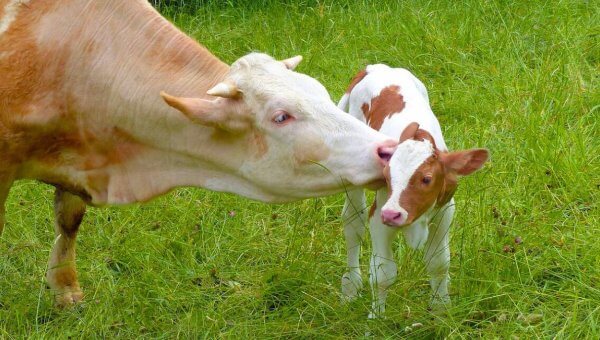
[[418, 196], [357, 78], [373, 208], [387, 103], [260, 144], [66, 277], [62, 273], [443, 168], [42, 122], [61, 79]]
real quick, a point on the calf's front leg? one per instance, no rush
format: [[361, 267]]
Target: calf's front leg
[[383, 269], [62, 273]]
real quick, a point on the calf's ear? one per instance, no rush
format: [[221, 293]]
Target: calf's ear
[[465, 162], [409, 131], [222, 113]]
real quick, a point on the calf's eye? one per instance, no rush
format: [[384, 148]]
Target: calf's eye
[[426, 180]]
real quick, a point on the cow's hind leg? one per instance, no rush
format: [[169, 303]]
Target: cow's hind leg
[[6, 181], [62, 273]]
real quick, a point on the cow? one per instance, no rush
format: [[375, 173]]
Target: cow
[[421, 178], [111, 104]]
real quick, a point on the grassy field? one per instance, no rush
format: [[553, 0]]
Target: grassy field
[[520, 78]]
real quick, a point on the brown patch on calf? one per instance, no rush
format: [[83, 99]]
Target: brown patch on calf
[[387, 103], [409, 131], [442, 170], [419, 196], [450, 185], [357, 78]]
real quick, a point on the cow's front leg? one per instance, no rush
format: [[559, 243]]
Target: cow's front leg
[[354, 231], [437, 257], [62, 273]]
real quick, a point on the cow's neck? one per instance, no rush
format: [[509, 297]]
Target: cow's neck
[[131, 145]]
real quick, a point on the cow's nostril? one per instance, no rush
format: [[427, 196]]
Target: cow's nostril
[[386, 150], [385, 155]]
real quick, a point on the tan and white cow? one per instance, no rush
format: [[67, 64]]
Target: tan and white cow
[[421, 178], [81, 108]]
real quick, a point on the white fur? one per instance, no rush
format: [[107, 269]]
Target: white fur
[[431, 229], [404, 162]]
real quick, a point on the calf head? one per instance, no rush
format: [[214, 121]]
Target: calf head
[[309, 146], [420, 176]]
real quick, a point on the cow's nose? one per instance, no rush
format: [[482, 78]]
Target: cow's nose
[[393, 218], [385, 151]]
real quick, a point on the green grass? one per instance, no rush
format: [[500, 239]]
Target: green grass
[[520, 78]]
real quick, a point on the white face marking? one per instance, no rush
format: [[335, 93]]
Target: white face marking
[[407, 158], [10, 13]]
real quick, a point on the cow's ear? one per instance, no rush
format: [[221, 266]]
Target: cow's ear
[[465, 162], [223, 113], [292, 62]]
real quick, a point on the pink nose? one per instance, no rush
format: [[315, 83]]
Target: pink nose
[[393, 218], [385, 151]]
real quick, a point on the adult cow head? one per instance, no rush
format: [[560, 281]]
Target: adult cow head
[[309, 147]]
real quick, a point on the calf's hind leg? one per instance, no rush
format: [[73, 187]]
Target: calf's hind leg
[[62, 273], [437, 257]]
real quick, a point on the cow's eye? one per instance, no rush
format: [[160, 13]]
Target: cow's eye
[[281, 116], [426, 179]]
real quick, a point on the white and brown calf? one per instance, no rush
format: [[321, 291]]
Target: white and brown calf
[[421, 179]]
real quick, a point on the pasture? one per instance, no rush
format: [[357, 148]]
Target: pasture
[[520, 78]]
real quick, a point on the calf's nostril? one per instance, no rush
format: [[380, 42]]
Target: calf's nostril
[[391, 216]]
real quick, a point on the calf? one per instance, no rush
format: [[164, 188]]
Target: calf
[[421, 179]]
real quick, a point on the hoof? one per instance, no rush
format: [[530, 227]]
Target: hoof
[[376, 316], [68, 298], [351, 286], [440, 306]]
